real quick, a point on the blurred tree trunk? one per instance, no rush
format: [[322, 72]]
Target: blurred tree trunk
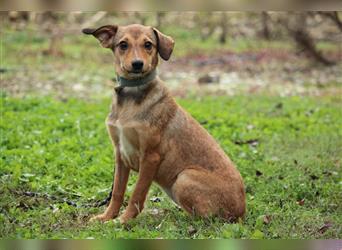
[[141, 17], [223, 25], [50, 24], [265, 28], [333, 15], [159, 19], [297, 27], [94, 19], [55, 45], [206, 24], [56, 25], [15, 16]]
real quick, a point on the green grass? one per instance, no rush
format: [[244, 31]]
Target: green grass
[[62, 148]]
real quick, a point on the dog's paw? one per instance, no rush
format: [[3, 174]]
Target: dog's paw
[[101, 217]]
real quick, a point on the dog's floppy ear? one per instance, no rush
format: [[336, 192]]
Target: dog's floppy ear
[[164, 44], [104, 34]]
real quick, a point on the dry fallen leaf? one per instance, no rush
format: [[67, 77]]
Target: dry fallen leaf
[[155, 211], [301, 202], [191, 230], [267, 219], [325, 227]]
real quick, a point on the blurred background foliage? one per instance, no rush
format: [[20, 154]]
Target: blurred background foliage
[[222, 52]]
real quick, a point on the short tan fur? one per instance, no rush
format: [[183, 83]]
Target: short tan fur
[[157, 138]]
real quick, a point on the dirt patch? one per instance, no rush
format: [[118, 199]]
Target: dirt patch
[[276, 72]]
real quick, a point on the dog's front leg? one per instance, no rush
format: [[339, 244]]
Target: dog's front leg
[[119, 187], [149, 162]]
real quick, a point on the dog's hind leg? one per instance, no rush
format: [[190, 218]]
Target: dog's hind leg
[[203, 194]]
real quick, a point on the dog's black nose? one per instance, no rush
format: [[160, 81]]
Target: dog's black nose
[[137, 65]]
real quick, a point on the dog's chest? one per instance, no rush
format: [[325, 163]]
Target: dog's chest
[[128, 146]]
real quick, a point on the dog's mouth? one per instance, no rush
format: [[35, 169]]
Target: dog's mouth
[[135, 73]]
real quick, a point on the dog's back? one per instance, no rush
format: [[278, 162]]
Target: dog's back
[[194, 165]]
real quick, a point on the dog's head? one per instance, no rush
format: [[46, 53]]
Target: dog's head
[[135, 47]]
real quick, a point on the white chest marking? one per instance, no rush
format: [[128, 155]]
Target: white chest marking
[[126, 148]]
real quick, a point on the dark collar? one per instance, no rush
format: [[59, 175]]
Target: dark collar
[[123, 82]]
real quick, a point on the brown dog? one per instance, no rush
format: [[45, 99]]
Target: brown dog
[[157, 138]]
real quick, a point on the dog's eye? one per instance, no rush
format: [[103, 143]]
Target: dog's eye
[[148, 45], [123, 45]]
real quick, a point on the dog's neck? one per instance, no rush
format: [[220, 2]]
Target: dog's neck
[[124, 82], [135, 89]]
